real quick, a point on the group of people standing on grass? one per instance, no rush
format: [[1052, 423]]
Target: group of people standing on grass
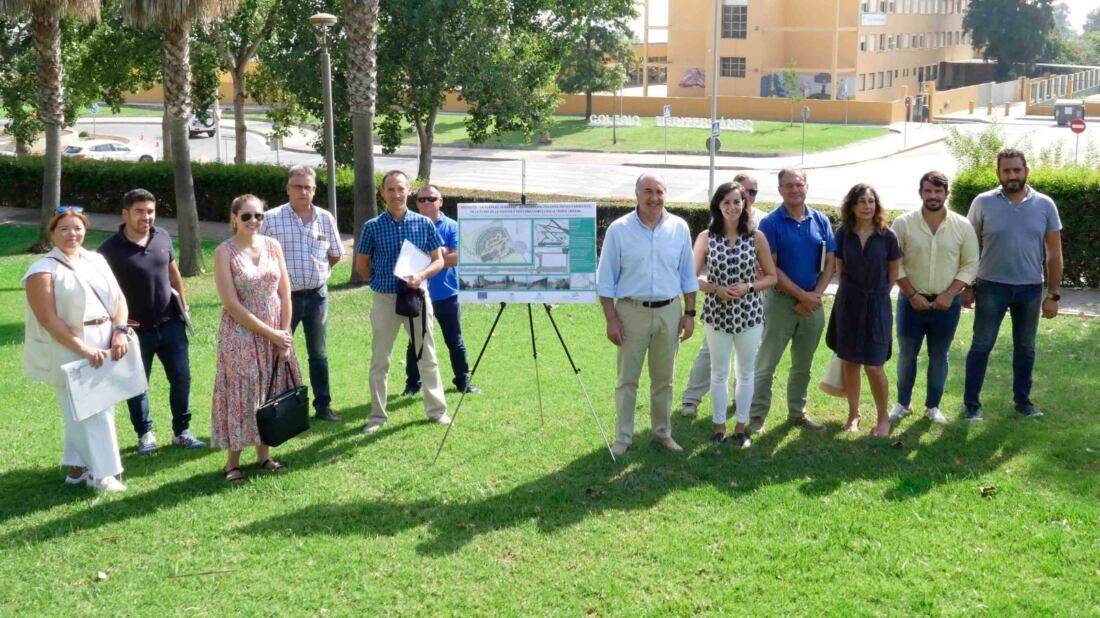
[[271, 275], [763, 281]]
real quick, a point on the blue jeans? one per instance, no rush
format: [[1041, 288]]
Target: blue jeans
[[1024, 303], [913, 327], [168, 342], [448, 315], [310, 309]]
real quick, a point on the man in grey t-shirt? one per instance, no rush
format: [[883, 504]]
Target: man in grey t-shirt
[[1017, 226]]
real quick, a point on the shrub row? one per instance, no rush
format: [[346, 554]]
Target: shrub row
[[1077, 194]]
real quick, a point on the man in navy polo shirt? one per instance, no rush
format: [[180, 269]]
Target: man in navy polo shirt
[[1021, 233], [802, 245], [379, 246], [141, 258], [443, 289]]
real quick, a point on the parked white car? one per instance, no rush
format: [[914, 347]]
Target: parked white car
[[108, 149]]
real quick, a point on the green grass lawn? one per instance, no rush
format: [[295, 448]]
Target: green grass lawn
[[525, 514], [573, 133]]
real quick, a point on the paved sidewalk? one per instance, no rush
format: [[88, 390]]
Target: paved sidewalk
[[1075, 302]]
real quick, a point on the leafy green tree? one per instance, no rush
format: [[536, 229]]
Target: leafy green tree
[[175, 19], [1062, 26], [595, 42], [45, 27], [362, 26], [1092, 21], [17, 83], [238, 39], [791, 81], [1009, 31], [1088, 46]]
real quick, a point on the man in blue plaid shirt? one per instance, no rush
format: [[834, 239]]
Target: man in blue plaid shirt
[[312, 247], [379, 245]]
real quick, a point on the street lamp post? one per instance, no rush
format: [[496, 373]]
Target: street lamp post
[[322, 22], [714, 91]]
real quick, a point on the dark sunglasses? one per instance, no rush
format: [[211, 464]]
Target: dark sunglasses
[[424, 200], [751, 192], [68, 209], [247, 216]]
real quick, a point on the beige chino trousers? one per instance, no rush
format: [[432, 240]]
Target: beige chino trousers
[[384, 324], [653, 333]]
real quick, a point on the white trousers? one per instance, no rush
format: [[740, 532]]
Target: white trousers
[[91, 443], [722, 347]]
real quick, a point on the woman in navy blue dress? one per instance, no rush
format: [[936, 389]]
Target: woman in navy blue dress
[[861, 325]]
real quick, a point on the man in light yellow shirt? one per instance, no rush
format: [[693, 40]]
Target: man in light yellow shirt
[[940, 258]]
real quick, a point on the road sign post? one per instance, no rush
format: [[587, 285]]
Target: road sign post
[[713, 144], [805, 117], [668, 116], [95, 110], [905, 125], [1077, 125]]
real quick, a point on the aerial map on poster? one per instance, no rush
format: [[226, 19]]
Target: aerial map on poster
[[527, 253]]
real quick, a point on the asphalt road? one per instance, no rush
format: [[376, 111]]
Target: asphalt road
[[895, 177]]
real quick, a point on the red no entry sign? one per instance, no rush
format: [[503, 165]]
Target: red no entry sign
[[1077, 125]]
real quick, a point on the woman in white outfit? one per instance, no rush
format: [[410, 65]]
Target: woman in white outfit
[[75, 310], [734, 265]]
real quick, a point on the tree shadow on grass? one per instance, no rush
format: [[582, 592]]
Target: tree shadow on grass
[[30, 490], [593, 484], [11, 334]]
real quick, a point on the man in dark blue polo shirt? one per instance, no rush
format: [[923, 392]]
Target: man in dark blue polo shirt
[[141, 257], [802, 244], [376, 256], [443, 290]]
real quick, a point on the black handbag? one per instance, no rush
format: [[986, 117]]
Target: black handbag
[[410, 303], [285, 415]]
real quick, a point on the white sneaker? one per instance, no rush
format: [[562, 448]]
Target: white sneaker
[[147, 444], [442, 420], [937, 417], [689, 410], [107, 484], [899, 412]]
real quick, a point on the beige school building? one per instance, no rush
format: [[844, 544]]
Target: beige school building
[[865, 50]]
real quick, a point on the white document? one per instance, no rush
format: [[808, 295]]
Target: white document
[[410, 261], [94, 390]]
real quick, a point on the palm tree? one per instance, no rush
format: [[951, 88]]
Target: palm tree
[[46, 16], [175, 18], [361, 21]]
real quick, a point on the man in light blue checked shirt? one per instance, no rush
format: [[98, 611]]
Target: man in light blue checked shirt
[[376, 255], [311, 244], [645, 265]]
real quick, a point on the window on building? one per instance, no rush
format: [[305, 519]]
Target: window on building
[[889, 78], [863, 45], [881, 42], [732, 67], [862, 82], [735, 21], [865, 6]]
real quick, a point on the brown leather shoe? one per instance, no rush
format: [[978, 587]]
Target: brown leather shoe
[[807, 422]]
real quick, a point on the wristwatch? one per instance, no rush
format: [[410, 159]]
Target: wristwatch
[[690, 313], [121, 328], [1055, 296], [751, 289]]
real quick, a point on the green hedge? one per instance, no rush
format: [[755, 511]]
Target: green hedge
[[99, 186], [1077, 194]]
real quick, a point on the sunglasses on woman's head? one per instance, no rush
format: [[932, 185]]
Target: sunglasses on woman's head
[[247, 216], [68, 209]]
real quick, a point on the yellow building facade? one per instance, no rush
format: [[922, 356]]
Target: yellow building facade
[[868, 50]]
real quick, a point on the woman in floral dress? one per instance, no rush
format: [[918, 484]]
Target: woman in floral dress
[[252, 281]]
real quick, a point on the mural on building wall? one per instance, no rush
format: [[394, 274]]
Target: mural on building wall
[[693, 78], [813, 86]]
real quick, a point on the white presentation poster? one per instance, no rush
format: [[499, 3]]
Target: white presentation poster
[[527, 253]]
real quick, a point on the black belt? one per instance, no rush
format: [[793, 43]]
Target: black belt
[[304, 292], [652, 304], [96, 321]]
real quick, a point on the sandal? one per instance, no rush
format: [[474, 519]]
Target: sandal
[[233, 475], [853, 424], [878, 432], [273, 466]]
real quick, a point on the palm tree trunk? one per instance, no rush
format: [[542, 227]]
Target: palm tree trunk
[[239, 127], [46, 27], [361, 22], [177, 109]]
